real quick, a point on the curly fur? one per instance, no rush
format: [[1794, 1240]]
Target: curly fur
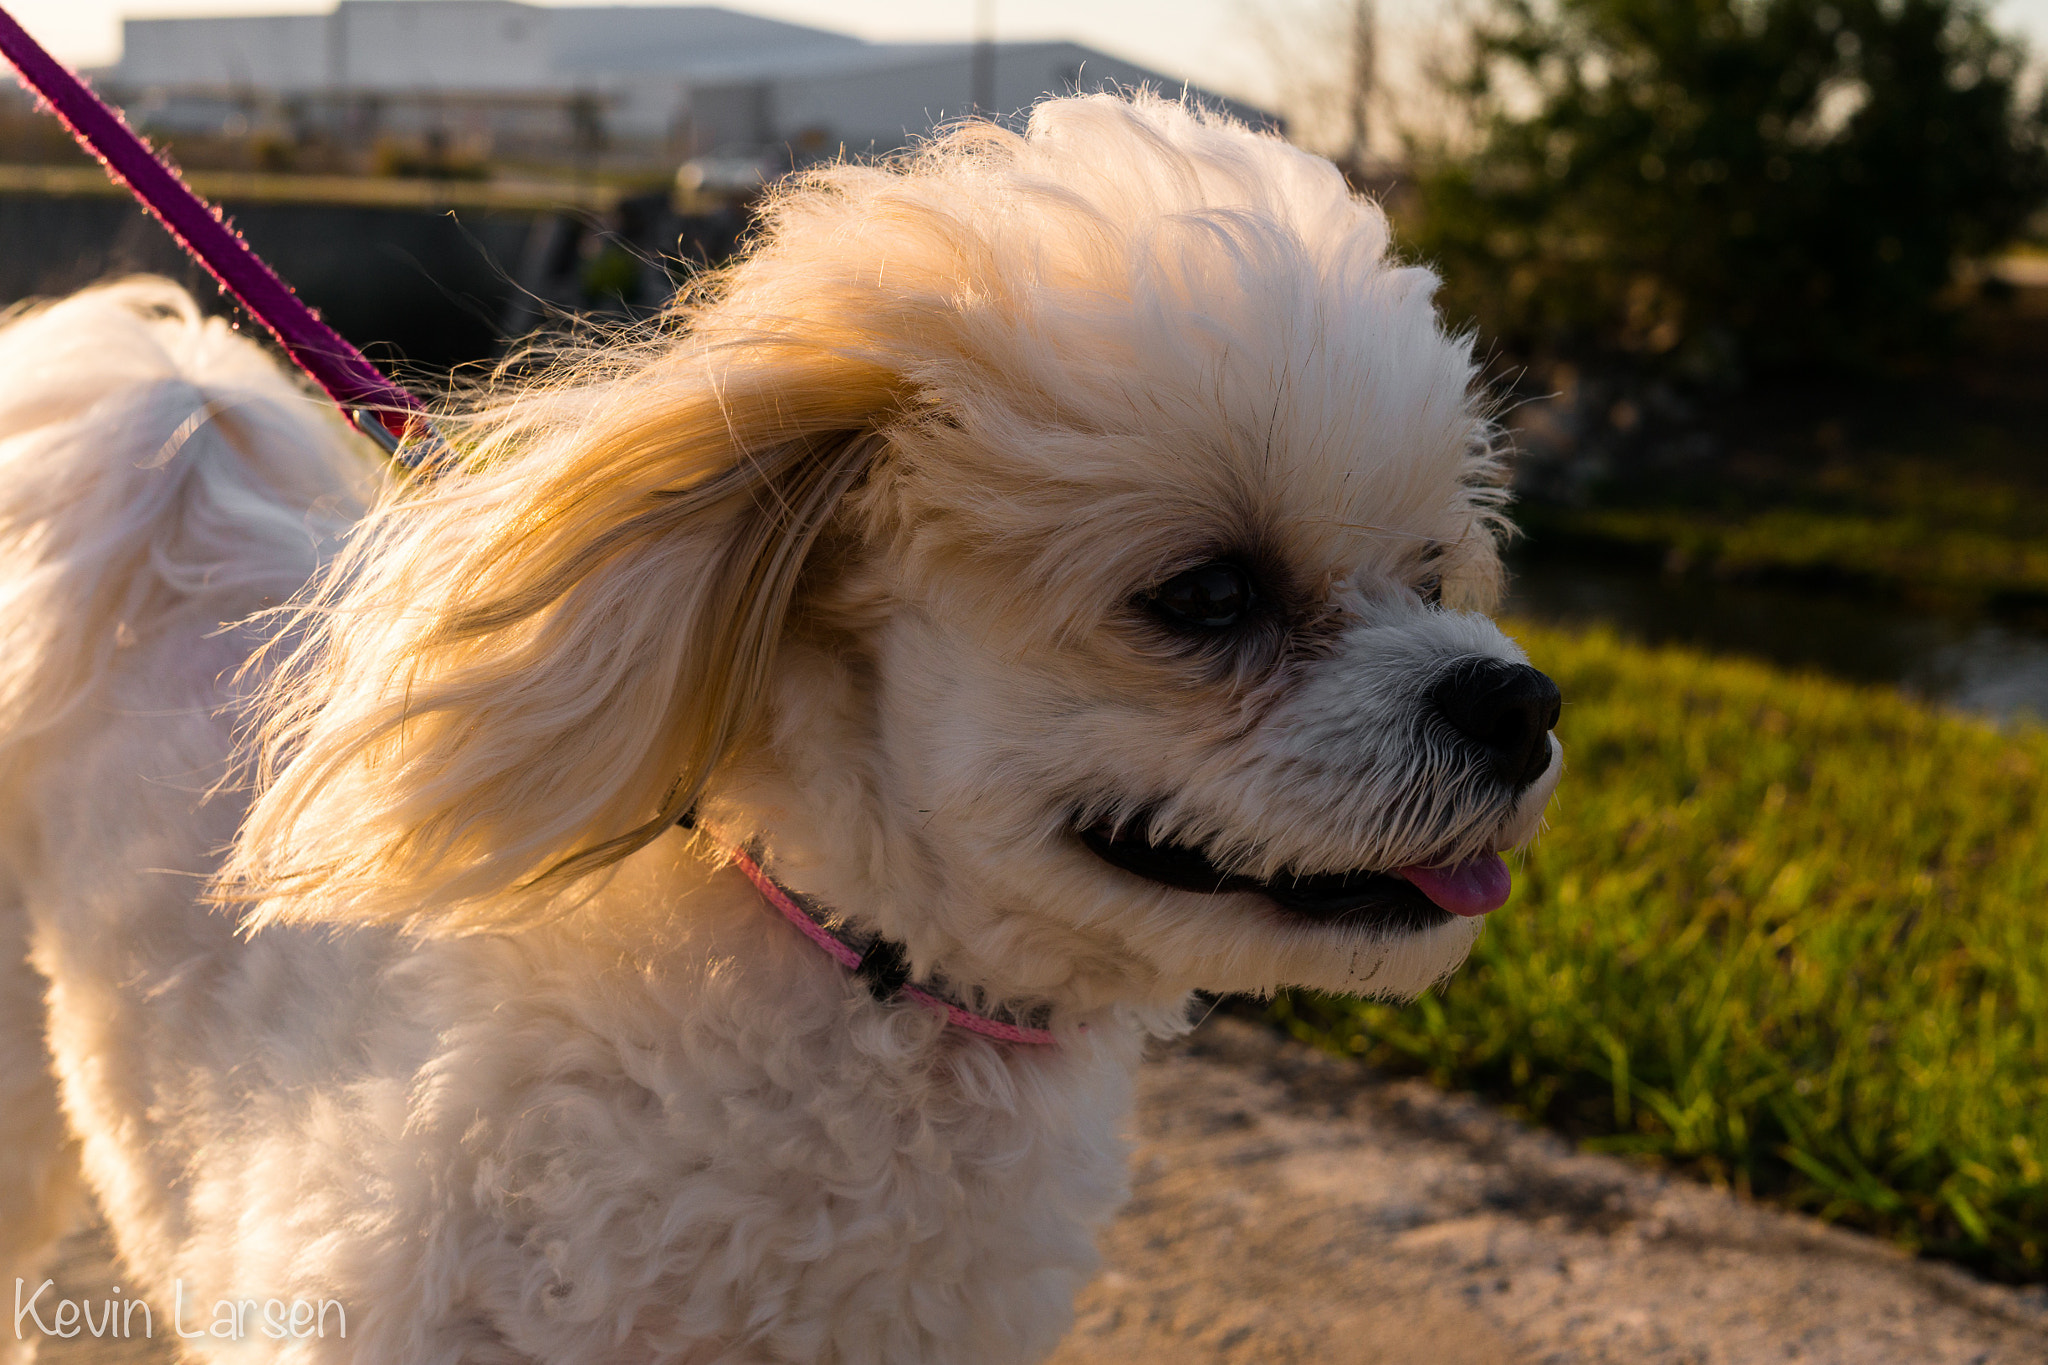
[[364, 960]]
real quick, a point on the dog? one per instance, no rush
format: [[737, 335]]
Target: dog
[[690, 877]]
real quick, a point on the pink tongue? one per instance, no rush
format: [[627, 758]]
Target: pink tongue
[[1472, 887]]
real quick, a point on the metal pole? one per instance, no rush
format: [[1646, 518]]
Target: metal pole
[[984, 74], [1364, 72]]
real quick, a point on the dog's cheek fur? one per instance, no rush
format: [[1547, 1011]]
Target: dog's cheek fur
[[931, 777], [991, 762]]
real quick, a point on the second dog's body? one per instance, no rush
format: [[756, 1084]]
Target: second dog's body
[[1047, 555]]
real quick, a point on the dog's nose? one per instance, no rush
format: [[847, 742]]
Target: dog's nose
[[1506, 709]]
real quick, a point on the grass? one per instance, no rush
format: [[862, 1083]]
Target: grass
[[1906, 554], [1788, 933]]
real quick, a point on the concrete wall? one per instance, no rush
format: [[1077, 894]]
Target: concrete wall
[[418, 289], [400, 283]]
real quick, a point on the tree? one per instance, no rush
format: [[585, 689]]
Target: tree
[[1712, 188]]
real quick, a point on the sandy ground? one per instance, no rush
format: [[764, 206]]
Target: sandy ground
[[1292, 1208]]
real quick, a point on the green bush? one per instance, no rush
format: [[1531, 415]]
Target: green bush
[[1788, 933], [1708, 188]]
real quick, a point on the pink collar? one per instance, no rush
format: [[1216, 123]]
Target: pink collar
[[881, 963]]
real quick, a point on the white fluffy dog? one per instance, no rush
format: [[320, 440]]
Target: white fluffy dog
[[1055, 558]]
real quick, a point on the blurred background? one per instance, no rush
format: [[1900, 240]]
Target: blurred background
[[1761, 287]]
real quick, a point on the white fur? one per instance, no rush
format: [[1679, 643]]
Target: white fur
[[857, 548]]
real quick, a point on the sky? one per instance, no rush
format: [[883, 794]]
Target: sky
[[1215, 43]]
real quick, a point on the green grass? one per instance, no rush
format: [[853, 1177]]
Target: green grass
[[1909, 553], [1784, 932]]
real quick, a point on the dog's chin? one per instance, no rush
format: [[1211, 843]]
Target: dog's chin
[[1384, 903]]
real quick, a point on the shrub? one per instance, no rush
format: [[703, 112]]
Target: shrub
[[1709, 188]]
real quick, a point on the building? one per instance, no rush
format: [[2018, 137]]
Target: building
[[503, 78]]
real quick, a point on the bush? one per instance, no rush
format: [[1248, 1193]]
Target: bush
[[1709, 188]]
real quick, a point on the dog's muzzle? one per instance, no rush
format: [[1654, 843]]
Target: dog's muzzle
[[1499, 712]]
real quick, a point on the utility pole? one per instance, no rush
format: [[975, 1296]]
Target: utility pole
[[984, 74], [1364, 74]]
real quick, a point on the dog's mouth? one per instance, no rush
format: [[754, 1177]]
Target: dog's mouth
[[1406, 899]]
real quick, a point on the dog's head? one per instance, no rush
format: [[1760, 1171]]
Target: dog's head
[[1066, 550]]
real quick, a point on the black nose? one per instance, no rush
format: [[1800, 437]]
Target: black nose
[[1506, 709]]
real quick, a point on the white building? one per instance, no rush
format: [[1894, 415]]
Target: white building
[[678, 80]]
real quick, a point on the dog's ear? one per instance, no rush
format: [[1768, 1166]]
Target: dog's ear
[[529, 667]]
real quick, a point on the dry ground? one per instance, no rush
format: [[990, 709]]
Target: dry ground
[[1291, 1208]]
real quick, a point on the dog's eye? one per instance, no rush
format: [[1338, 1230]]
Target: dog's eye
[[1212, 596]]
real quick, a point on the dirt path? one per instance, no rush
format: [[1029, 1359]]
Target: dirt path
[[1291, 1208]]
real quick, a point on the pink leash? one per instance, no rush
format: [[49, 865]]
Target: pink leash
[[381, 409]]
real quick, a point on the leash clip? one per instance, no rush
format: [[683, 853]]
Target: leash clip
[[371, 425], [421, 446]]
